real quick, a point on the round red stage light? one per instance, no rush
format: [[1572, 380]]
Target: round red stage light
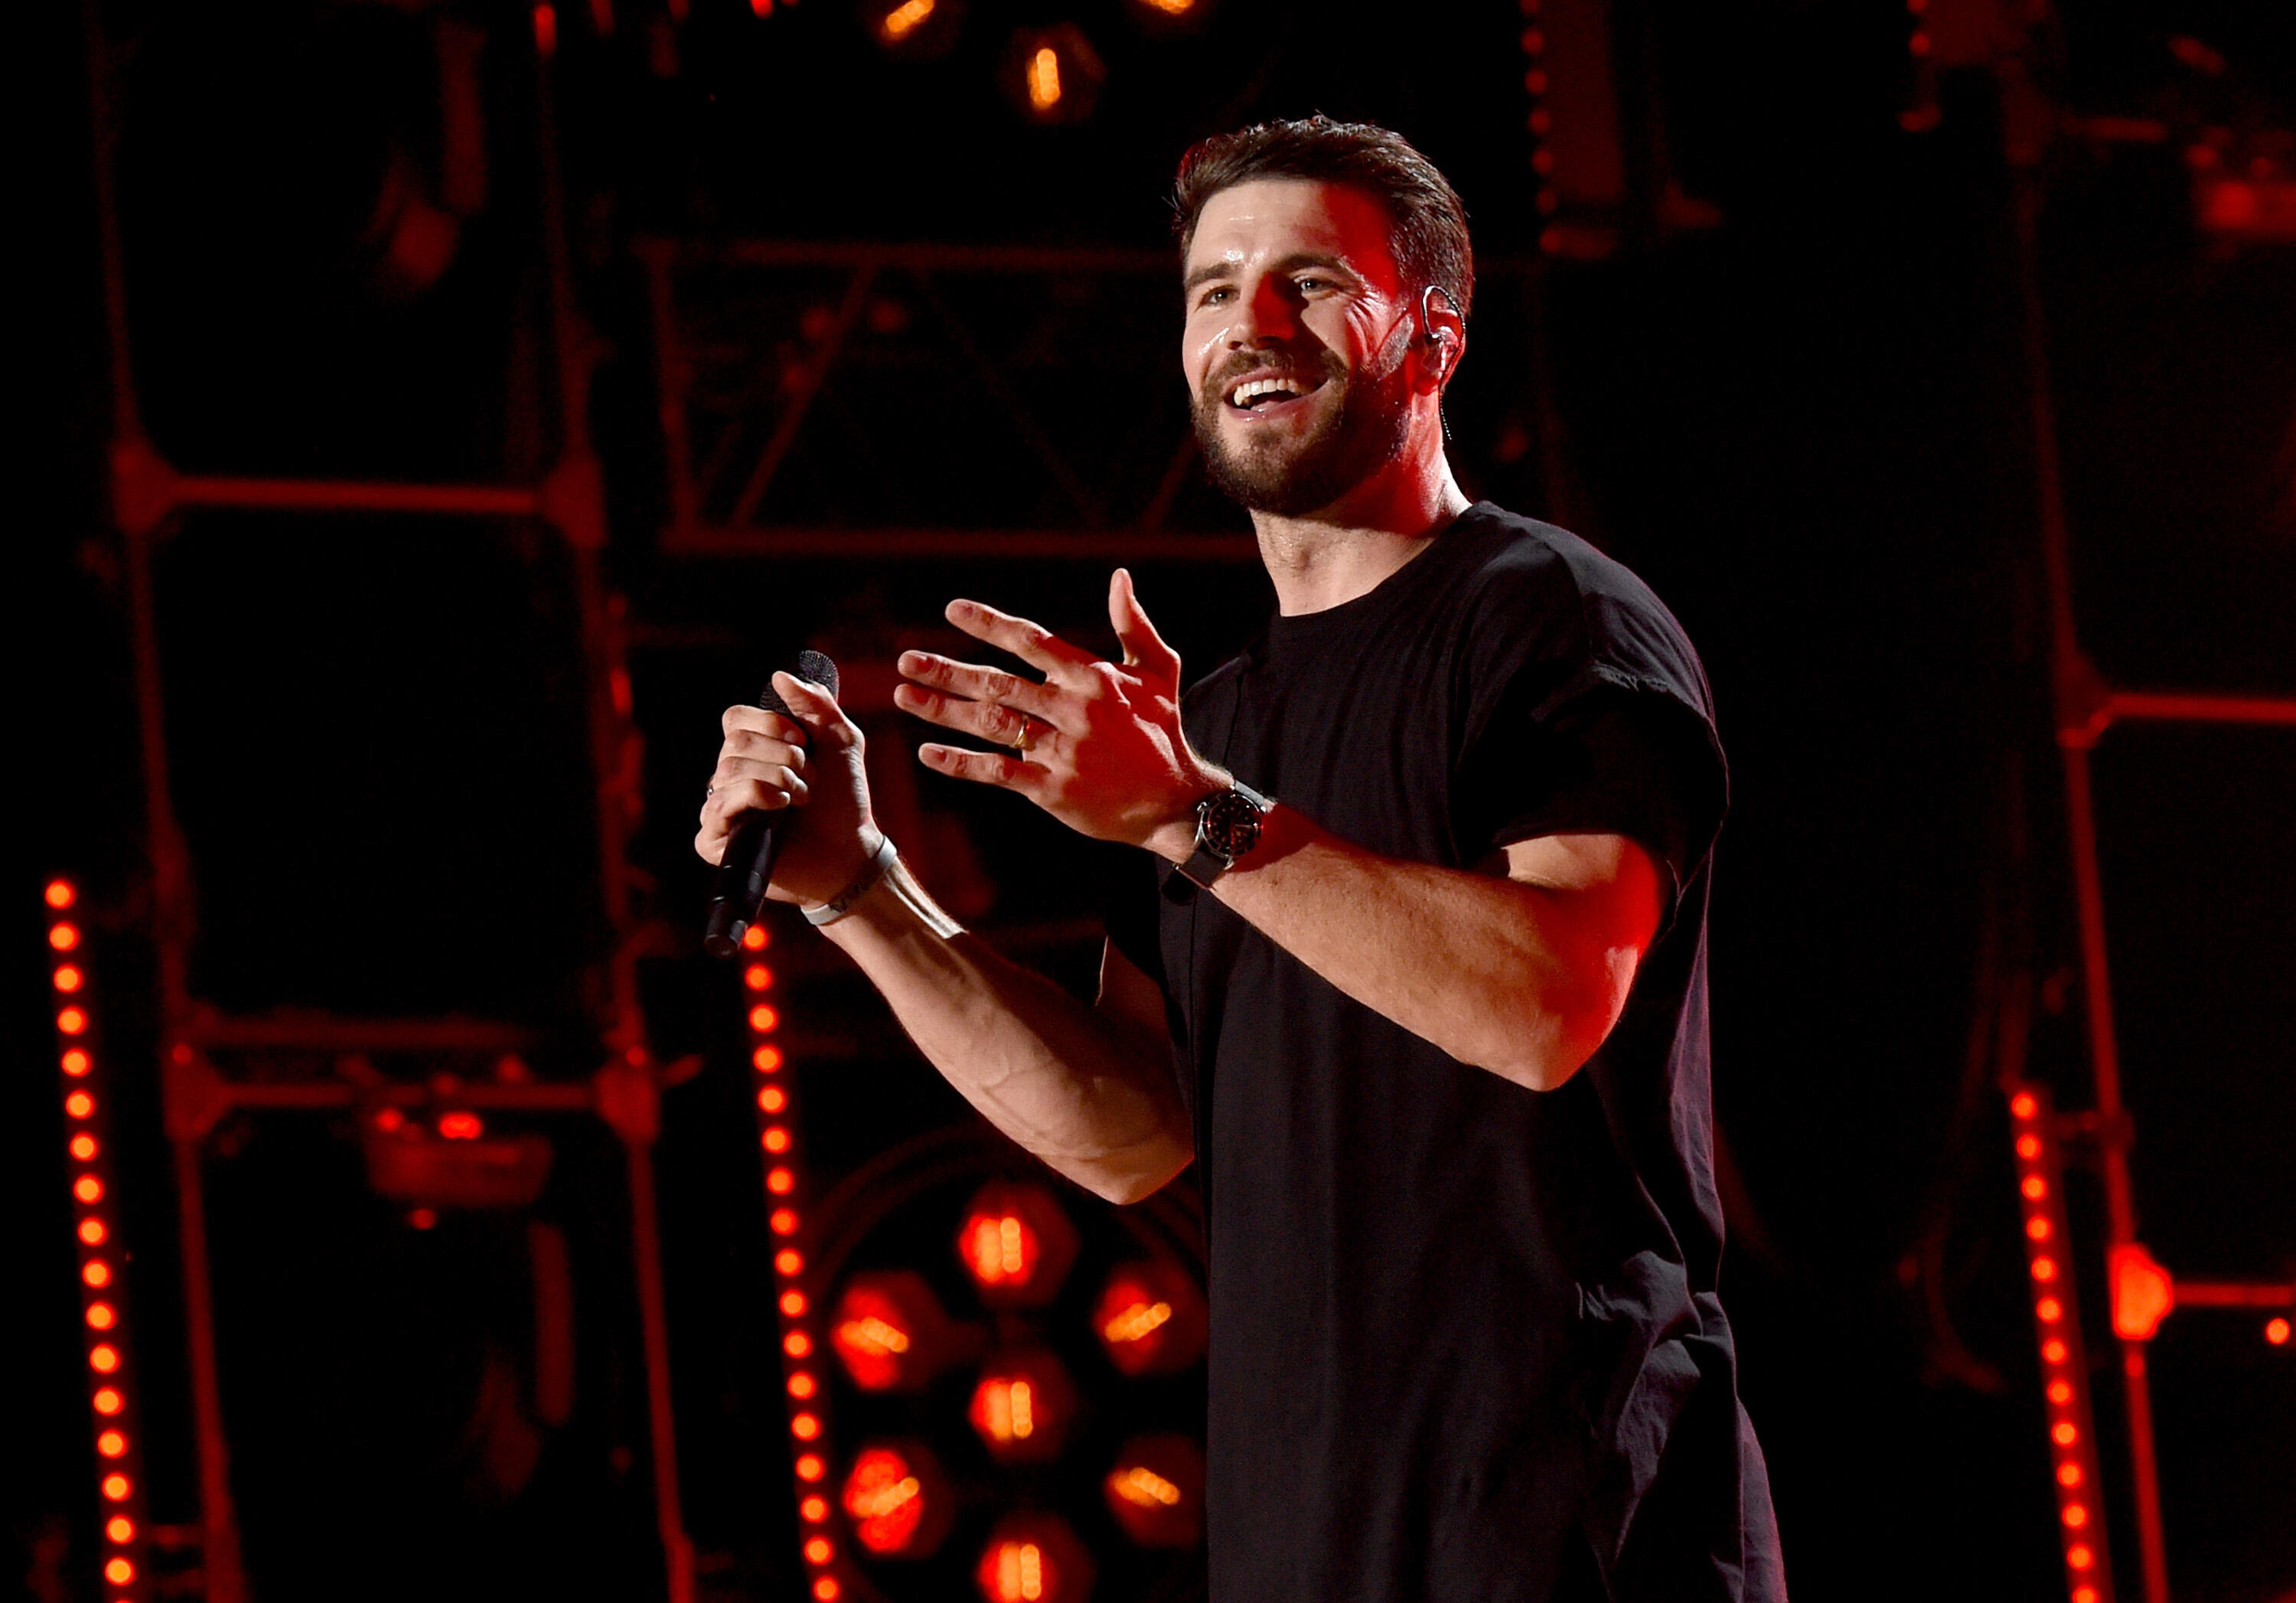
[[890, 1332], [1156, 1491], [1033, 1558], [1022, 1407], [2276, 1331], [1017, 1244], [898, 1500], [1151, 1319]]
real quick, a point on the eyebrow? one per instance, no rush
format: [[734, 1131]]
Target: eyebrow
[[1290, 263]]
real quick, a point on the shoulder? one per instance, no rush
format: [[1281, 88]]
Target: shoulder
[[1530, 592]]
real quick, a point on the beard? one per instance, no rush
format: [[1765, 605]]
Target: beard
[[1294, 477]]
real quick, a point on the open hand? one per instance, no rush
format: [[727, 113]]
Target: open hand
[[1097, 745]]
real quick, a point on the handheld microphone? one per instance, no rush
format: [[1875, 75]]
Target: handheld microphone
[[739, 897]]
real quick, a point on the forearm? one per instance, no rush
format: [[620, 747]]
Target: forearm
[[1523, 979], [1093, 1098]]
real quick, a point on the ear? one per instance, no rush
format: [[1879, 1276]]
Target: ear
[[1442, 335]]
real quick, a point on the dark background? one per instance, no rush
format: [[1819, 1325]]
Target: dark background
[[1806, 424]]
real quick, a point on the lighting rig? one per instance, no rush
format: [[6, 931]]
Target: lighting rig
[[103, 1255], [1011, 1374]]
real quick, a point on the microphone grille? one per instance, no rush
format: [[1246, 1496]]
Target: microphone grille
[[814, 667]]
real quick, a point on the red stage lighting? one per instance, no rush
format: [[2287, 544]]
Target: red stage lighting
[[898, 1500], [890, 1332], [1053, 74], [1033, 1558], [1156, 1491], [2143, 1294], [1151, 1319], [1017, 1245], [1022, 1407]]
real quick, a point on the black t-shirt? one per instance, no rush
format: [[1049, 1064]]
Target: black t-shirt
[[1465, 1340]]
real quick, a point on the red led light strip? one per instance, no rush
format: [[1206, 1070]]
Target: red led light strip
[[1540, 121], [802, 1376], [2056, 1326], [103, 1280]]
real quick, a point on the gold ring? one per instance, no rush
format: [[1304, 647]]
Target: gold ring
[[1028, 736]]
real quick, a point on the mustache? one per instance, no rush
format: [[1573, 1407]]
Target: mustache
[[1323, 366]]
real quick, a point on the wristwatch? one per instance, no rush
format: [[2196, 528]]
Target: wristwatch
[[1227, 828]]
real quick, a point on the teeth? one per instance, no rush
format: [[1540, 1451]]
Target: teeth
[[1244, 394]]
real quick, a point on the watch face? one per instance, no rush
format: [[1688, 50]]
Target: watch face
[[1230, 824]]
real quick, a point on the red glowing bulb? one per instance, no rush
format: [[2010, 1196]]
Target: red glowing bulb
[[108, 1402], [781, 1182], [119, 1572], [119, 1528], [115, 1487], [758, 976], [83, 1148], [783, 1221], [763, 1018], [68, 978], [76, 1062], [754, 938], [809, 1466], [766, 1059], [460, 1125], [104, 1357], [111, 1445], [88, 1189], [2276, 1331], [2143, 1294], [63, 937], [73, 1021], [59, 894], [775, 1138]]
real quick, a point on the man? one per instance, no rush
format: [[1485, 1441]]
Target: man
[[1439, 1009]]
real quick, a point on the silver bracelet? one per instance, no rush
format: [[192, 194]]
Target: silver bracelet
[[880, 860]]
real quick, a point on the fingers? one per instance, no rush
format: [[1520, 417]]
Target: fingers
[[817, 710], [750, 787], [757, 720], [1032, 643], [997, 706], [982, 767], [1144, 647]]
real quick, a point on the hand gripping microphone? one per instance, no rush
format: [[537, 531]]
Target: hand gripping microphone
[[747, 868]]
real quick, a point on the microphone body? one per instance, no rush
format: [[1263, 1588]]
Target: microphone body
[[739, 897]]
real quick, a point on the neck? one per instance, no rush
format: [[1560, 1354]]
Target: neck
[[1330, 556]]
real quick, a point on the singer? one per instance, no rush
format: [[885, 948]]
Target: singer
[[1419, 981]]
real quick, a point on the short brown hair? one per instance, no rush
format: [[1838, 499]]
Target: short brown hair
[[1429, 232]]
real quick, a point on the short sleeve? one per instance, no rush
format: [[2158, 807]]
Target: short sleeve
[[1615, 759]]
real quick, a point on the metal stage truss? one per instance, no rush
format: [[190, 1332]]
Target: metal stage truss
[[212, 1063]]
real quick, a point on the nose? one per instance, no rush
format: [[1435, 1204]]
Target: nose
[[1264, 316]]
